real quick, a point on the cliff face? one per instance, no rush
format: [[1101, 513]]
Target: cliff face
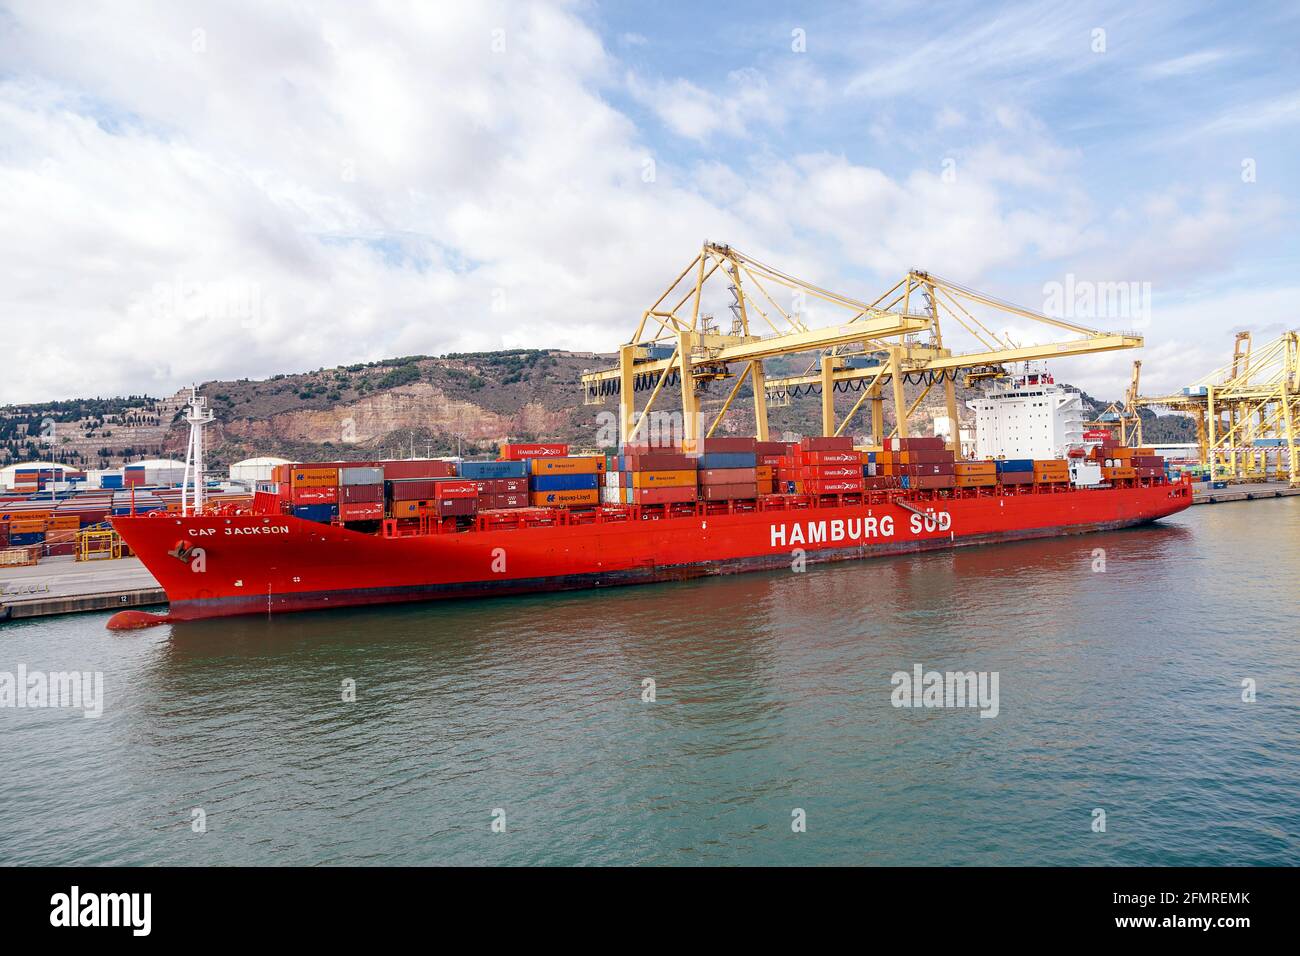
[[420, 407]]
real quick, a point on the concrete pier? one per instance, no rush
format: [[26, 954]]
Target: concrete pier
[[1250, 492], [65, 586]]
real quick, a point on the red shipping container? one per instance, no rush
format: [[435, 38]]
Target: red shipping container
[[662, 496], [358, 494], [915, 444], [447, 490], [499, 502], [728, 492], [1016, 478], [652, 448], [826, 472], [816, 457], [1147, 461], [456, 507], [501, 486], [660, 462], [922, 456], [429, 489], [728, 476], [418, 469], [412, 489], [826, 487], [362, 511], [827, 443], [772, 461], [728, 445], [315, 496], [937, 468], [1148, 472], [517, 451], [936, 481], [878, 483]]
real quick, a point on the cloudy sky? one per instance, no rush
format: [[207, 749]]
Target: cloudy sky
[[201, 190]]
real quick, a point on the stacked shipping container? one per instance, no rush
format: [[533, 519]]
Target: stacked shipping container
[[651, 475], [501, 485], [728, 469], [1119, 462], [568, 482]]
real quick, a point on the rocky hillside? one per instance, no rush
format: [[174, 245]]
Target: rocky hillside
[[416, 404]]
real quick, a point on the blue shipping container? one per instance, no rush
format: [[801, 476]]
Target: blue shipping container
[[565, 482], [322, 514], [1014, 464], [483, 470], [728, 459], [28, 538]]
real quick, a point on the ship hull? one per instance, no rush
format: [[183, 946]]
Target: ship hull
[[214, 566]]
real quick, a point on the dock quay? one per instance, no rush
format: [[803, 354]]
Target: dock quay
[[1244, 492], [63, 585]]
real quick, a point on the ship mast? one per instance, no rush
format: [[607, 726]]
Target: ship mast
[[198, 416]]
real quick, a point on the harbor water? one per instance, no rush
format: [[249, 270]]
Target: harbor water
[[521, 730]]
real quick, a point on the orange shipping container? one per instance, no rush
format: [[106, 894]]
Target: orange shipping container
[[567, 466], [976, 481], [315, 477], [1122, 471], [663, 479]]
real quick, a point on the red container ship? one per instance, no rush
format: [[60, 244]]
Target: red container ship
[[264, 561]]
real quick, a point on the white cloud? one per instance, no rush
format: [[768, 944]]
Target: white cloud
[[1267, 114], [695, 113], [1188, 63]]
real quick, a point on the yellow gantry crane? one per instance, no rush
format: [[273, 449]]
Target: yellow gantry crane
[[1123, 421], [1247, 411], [894, 340]]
